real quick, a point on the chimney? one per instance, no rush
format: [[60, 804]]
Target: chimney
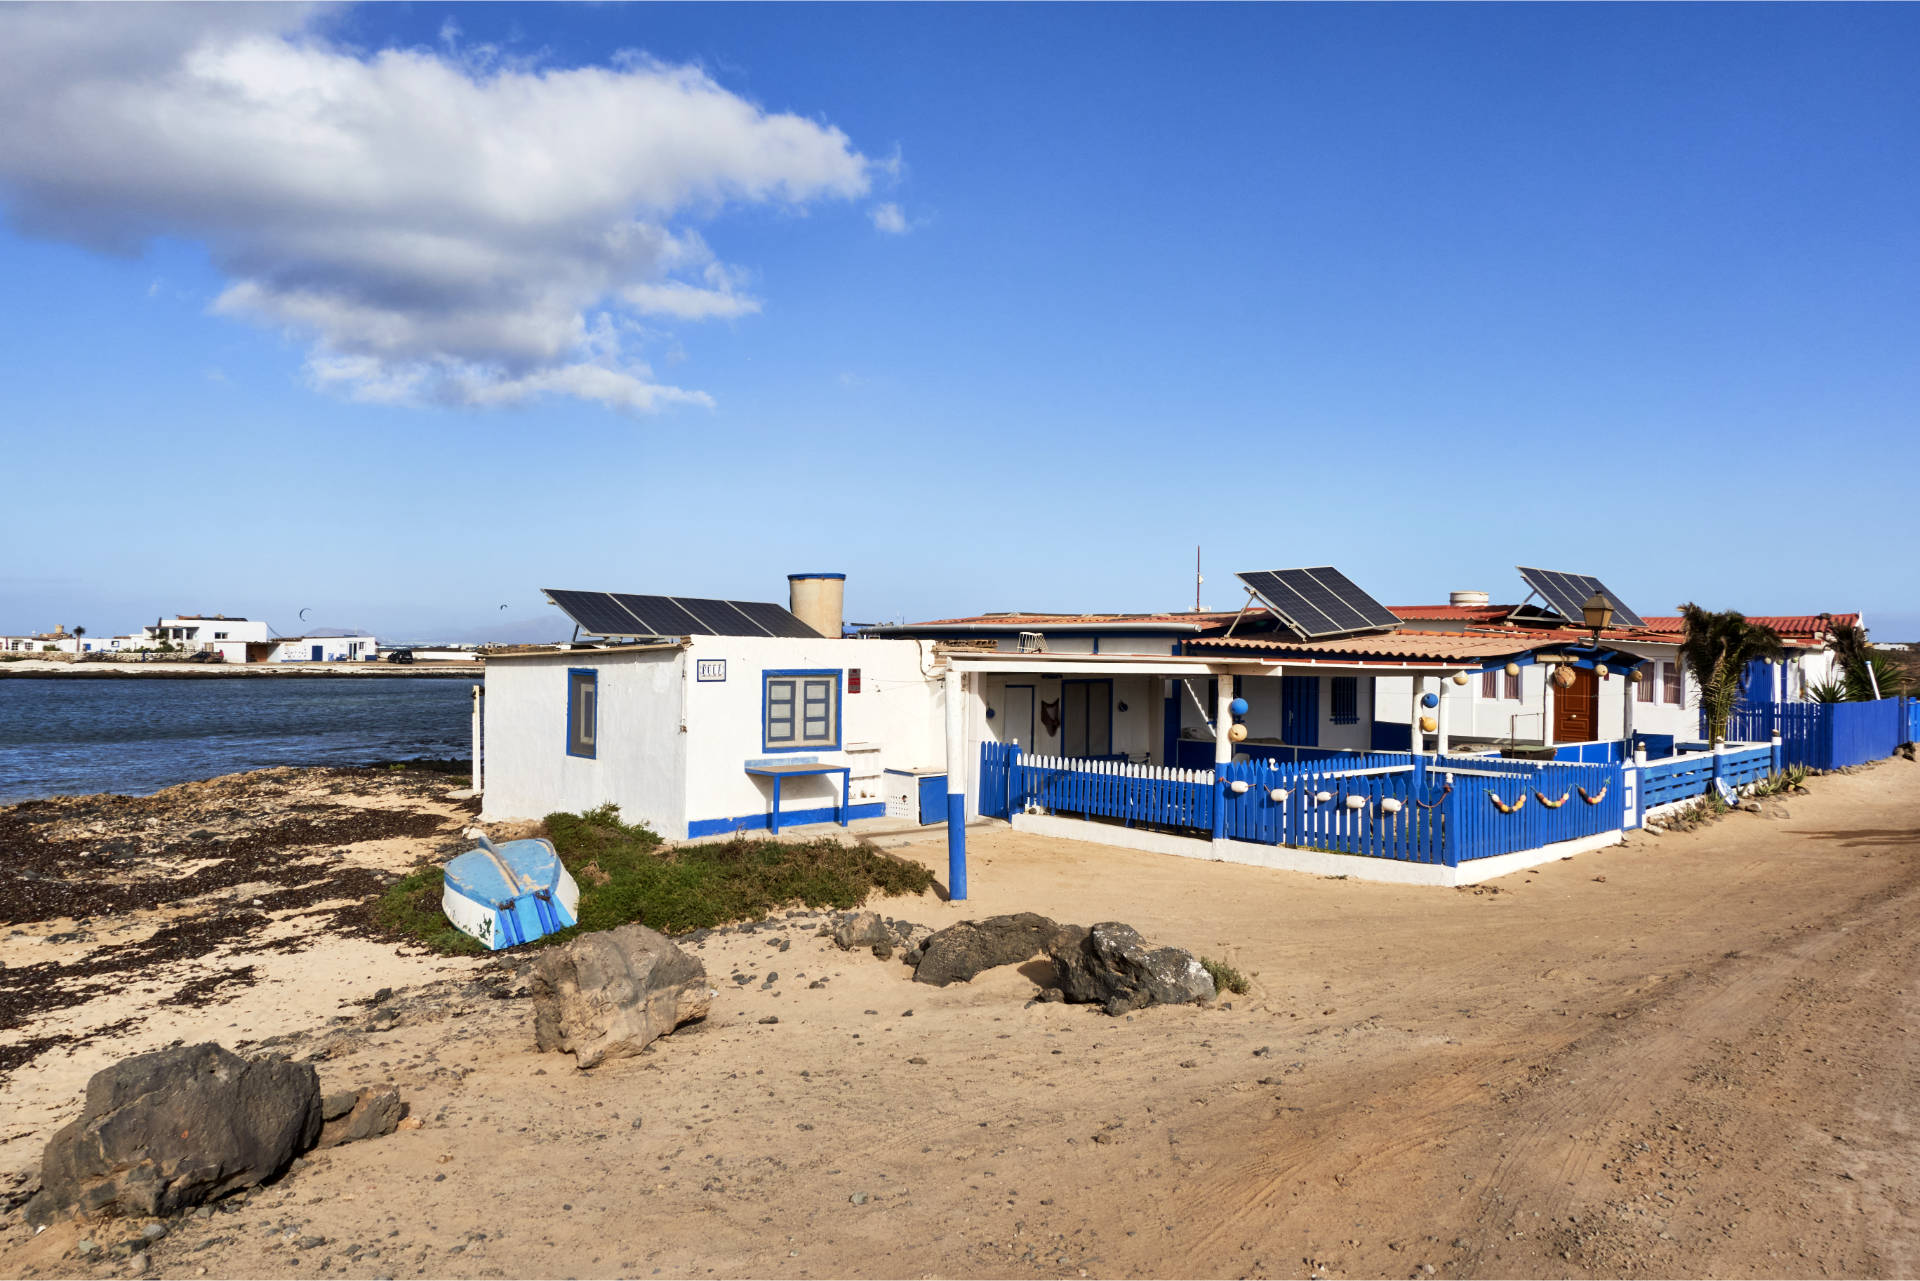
[[818, 601], [59, 629], [1468, 599]]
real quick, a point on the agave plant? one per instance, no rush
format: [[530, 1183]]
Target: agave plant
[[1833, 691], [1716, 648], [1887, 680]]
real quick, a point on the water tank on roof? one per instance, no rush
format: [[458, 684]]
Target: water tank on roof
[[1468, 599]]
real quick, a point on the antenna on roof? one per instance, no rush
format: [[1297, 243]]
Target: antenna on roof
[[1198, 578]]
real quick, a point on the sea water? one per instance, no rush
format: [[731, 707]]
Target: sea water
[[137, 734]]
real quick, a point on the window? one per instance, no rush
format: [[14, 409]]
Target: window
[[583, 711], [1513, 684], [1346, 700], [801, 710], [1674, 685], [1643, 692], [1490, 683]]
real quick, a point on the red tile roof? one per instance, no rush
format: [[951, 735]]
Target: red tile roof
[[1441, 646], [1807, 627], [1452, 613]]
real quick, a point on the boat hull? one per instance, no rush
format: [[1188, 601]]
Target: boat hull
[[505, 895]]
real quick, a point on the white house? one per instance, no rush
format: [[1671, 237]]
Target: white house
[[317, 649]]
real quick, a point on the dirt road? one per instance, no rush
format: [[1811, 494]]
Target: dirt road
[[1686, 1056]]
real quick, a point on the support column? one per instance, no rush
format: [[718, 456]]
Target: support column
[[1546, 705], [1416, 738], [1626, 709], [478, 693], [1440, 717], [1222, 721], [956, 785]]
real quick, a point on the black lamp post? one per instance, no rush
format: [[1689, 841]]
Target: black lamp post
[[1598, 612]]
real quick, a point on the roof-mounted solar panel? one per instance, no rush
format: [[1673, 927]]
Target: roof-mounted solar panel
[[1567, 594], [623, 614], [1319, 602]]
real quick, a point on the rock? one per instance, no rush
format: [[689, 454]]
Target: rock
[[166, 1131], [859, 929], [372, 1112], [1110, 965], [1751, 807], [964, 949], [611, 994], [462, 794], [337, 1104]]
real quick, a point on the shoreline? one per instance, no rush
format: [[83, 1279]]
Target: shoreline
[[44, 670]]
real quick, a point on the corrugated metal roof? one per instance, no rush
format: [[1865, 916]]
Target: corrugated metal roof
[[1029, 620], [1401, 644]]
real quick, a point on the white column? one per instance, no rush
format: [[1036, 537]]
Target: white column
[[1626, 708], [1440, 716], [1546, 704], [1222, 720], [1416, 741], [478, 693], [956, 785]]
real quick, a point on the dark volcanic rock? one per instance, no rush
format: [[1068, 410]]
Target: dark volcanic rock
[[165, 1131], [859, 929], [1112, 966], [962, 950], [370, 1113]]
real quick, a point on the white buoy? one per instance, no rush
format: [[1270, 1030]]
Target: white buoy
[[1238, 786], [1323, 797], [1277, 795], [1389, 806], [1356, 802]]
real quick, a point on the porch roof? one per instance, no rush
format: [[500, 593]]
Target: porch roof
[[1474, 647]]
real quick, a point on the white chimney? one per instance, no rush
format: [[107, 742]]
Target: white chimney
[[818, 600], [1468, 599]]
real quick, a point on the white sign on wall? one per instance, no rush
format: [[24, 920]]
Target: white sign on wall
[[710, 669]]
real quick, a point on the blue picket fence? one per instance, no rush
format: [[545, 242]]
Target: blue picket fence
[[1445, 810], [1826, 735], [1687, 776]]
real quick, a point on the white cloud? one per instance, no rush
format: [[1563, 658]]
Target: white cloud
[[890, 219], [436, 225]]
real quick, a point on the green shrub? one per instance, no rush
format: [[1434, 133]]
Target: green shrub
[[1225, 977], [626, 874]]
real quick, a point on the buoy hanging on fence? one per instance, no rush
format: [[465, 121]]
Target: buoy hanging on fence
[[1238, 787], [1277, 795], [1595, 800], [1552, 805], [1238, 707], [1356, 802], [1389, 806], [1323, 797], [1237, 733], [1429, 699], [1428, 725], [1502, 806]]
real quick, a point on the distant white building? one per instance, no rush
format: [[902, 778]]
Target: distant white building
[[320, 649], [236, 640]]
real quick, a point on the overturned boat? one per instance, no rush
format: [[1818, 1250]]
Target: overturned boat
[[509, 894]]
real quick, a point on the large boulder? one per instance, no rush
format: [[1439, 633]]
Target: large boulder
[[163, 1132], [612, 994], [1110, 965], [964, 949]]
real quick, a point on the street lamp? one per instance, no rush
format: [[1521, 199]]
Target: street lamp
[[1598, 611]]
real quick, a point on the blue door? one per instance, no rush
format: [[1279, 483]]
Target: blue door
[[1300, 710], [319, 652]]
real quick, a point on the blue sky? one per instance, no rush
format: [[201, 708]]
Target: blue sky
[[988, 307]]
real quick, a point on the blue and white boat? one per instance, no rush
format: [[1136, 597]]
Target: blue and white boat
[[509, 894]]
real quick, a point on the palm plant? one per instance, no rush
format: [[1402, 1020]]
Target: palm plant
[[1877, 677], [1834, 691], [1716, 648]]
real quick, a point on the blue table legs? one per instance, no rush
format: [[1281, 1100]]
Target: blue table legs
[[774, 820]]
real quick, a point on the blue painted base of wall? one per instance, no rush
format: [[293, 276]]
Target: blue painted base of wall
[[788, 818]]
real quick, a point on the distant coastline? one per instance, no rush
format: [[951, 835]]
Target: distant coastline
[[43, 669]]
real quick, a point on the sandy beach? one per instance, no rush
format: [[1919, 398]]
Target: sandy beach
[[1688, 1055]]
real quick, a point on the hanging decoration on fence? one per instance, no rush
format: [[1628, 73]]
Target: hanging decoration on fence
[[1388, 805], [1595, 800], [1502, 806], [1321, 798], [1444, 793], [1356, 802], [1552, 805]]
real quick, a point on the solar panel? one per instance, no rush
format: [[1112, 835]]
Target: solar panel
[[1320, 602], [626, 614], [597, 613], [719, 617], [659, 615], [776, 619], [1567, 593]]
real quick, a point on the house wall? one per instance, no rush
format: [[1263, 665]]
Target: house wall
[[896, 721], [333, 649], [1136, 730], [640, 760]]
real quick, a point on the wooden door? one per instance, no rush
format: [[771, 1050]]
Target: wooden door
[[1576, 708]]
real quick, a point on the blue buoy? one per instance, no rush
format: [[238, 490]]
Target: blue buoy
[[1429, 699], [1238, 707]]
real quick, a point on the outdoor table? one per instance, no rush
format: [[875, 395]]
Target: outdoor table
[[779, 772]]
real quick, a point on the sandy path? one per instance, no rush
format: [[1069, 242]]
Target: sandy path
[[1687, 1055]]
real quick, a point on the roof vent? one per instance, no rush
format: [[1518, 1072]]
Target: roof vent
[[1468, 599]]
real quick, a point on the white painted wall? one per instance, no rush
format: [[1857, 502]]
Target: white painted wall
[[333, 649], [640, 763]]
